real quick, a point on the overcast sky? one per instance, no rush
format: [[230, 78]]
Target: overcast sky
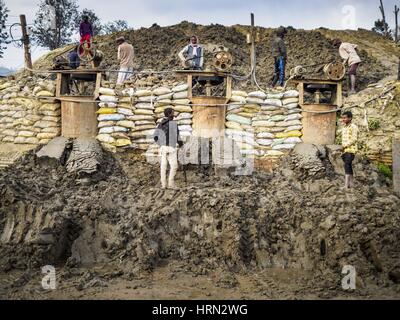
[[306, 14]]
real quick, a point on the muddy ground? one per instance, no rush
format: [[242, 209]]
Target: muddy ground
[[115, 234]]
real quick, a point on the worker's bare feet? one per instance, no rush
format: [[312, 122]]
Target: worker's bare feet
[[352, 92]]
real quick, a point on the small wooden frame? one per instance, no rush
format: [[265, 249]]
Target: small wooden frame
[[337, 92], [64, 76], [190, 74]]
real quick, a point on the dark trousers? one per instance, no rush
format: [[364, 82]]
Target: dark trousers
[[279, 74], [348, 159]]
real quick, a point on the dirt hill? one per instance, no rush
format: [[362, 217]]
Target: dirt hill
[[157, 48]]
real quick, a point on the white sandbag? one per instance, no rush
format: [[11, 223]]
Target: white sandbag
[[233, 125], [120, 129], [32, 140], [45, 124], [252, 100], [180, 95], [258, 94], [264, 142], [238, 119], [46, 135], [182, 87], [106, 130], [273, 102], [232, 107], [296, 116], [143, 112], [293, 111], [292, 123], [185, 133], [284, 147], [161, 91], [167, 96], [104, 124], [106, 138], [126, 124], [287, 101], [292, 140], [107, 91], [234, 132], [26, 134], [146, 99], [126, 112], [291, 106], [145, 122], [269, 108], [184, 116], [265, 135], [291, 94], [143, 93], [140, 117], [263, 123], [238, 99], [278, 96], [294, 128], [110, 117], [105, 98]]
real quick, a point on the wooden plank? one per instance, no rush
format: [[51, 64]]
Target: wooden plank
[[78, 119], [97, 86], [228, 88], [190, 85], [58, 85], [396, 165], [209, 122], [300, 88], [339, 95]]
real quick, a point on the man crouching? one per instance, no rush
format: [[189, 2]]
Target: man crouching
[[167, 137]]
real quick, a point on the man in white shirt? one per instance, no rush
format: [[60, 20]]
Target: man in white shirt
[[349, 54], [192, 56]]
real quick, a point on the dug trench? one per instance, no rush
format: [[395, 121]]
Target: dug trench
[[117, 218]]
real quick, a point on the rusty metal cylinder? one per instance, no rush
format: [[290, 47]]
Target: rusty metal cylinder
[[78, 118], [319, 127], [208, 119]]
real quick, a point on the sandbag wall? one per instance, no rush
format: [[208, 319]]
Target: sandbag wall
[[29, 114], [264, 125], [128, 117]]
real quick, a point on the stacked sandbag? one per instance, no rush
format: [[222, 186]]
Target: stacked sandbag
[[242, 109], [28, 116], [114, 126], [273, 118], [183, 111], [143, 118]]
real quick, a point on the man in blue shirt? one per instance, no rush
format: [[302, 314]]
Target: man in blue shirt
[[73, 58]]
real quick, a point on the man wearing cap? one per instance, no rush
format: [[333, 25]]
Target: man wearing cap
[[279, 53], [125, 56]]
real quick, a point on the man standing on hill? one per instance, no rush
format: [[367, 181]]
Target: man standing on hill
[[349, 54], [279, 53], [167, 137], [86, 32], [125, 56], [192, 56], [349, 142]]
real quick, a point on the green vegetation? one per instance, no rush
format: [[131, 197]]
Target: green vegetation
[[385, 170], [374, 124]]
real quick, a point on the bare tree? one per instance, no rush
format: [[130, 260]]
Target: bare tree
[[396, 30], [381, 7]]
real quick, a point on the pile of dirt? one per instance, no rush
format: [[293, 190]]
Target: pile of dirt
[[296, 218], [305, 48]]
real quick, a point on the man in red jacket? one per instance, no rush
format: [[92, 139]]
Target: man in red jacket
[[86, 32]]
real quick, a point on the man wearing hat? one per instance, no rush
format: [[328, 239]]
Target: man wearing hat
[[125, 56]]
